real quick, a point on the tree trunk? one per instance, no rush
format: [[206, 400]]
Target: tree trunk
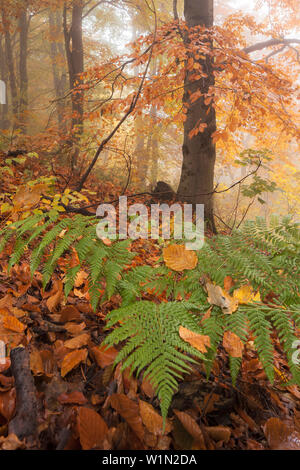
[[4, 120], [199, 153], [74, 52], [59, 74], [23, 108], [10, 67]]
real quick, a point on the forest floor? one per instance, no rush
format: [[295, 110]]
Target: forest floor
[[78, 400]]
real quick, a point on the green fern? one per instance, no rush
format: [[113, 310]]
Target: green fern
[[266, 255]]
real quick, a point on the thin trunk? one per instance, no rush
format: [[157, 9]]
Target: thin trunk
[[23, 108], [199, 153], [59, 76], [74, 52], [10, 67], [4, 120]]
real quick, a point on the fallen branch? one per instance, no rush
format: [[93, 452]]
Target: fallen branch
[[24, 424]]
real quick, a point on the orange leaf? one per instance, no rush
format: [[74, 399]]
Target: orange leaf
[[233, 344], [152, 420], [104, 356], [77, 342], [178, 258], [195, 339], [13, 324], [129, 410], [72, 360], [92, 429]]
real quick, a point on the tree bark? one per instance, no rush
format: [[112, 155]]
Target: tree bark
[[59, 74], [10, 66], [23, 74], [199, 152], [4, 120], [75, 60]]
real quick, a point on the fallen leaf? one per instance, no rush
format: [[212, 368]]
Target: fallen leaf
[[176, 257], [233, 344], [104, 356], [200, 342], [11, 323], [246, 295], [216, 296], [192, 428], [92, 429], [129, 410], [70, 313], [53, 301], [75, 398], [72, 360], [219, 433], [152, 419], [11, 442], [78, 341], [280, 435]]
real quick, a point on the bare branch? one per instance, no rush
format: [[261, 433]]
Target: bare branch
[[269, 43]]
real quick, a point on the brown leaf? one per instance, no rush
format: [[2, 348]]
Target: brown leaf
[[192, 428], [129, 410], [70, 313], [280, 435], [78, 341], [104, 356], [233, 344], [11, 442], [74, 329], [92, 429], [53, 301], [8, 404], [11, 323], [178, 258], [152, 419], [76, 398], [195, 339], [72, 360], [219, 433], [228, 283]]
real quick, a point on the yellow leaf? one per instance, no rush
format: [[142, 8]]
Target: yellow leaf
[[233, 344], [178, 258], [246, 295], [195, 339], [72, 360]]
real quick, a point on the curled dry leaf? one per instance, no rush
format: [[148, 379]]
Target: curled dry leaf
[[104, 356], [196, 340], [152, 419], [11, 442], [130, 411], [11, 323], [77, 342], [92, 429], [281, 436], [233, 344], [72, 360], [176, 257], [53, 301], [216, 296]]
